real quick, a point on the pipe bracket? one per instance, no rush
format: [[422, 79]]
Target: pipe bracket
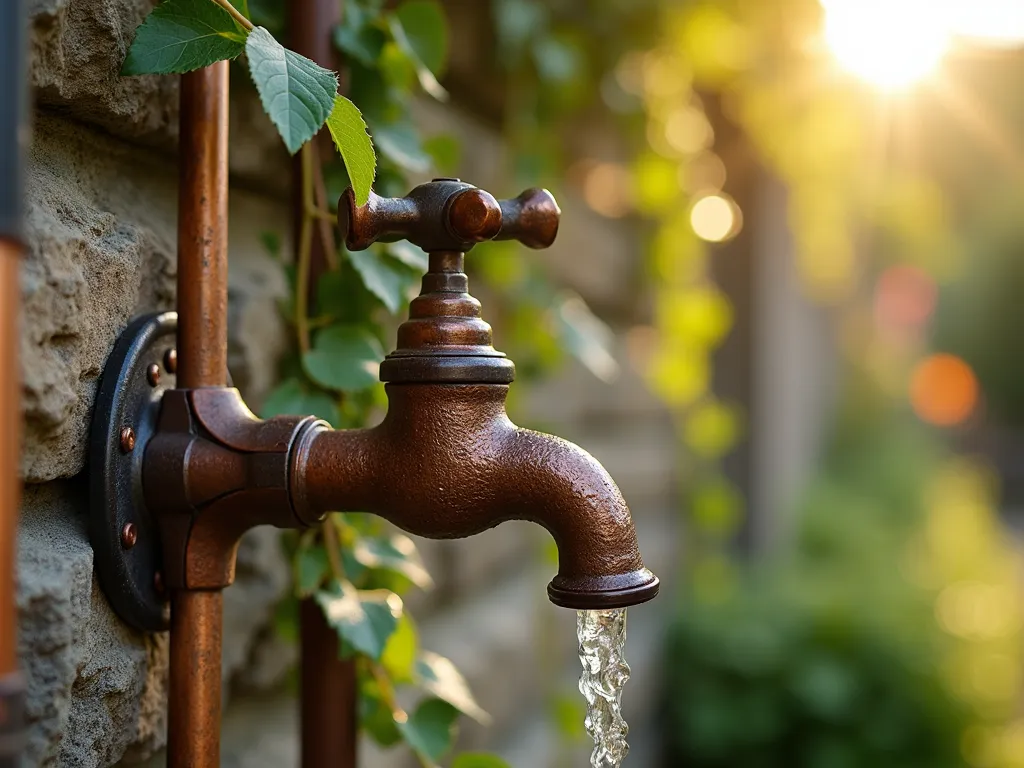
[[124, 535]]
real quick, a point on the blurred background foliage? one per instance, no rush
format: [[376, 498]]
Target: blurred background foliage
[[886, 628]]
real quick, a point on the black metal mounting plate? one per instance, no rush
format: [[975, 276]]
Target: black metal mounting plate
[[128, 559]]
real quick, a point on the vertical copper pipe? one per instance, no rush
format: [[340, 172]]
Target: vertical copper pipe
[[11, 683], [203, 229], [193, 739], [195, 697], [328, 706], [13, 137]]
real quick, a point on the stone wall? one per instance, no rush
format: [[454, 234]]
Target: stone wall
[[101, 249]]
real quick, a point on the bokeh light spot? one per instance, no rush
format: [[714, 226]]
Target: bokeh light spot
[[904, 298], [715, 218], [943, 390]]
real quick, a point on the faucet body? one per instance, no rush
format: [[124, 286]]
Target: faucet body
[[447, 462]]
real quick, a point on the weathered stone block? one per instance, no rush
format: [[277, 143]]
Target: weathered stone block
[[88, 675], [77, 50]]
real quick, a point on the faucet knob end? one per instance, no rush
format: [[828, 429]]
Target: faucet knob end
[[532, 219]]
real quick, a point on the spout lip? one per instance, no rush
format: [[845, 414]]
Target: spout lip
[[600, 592]]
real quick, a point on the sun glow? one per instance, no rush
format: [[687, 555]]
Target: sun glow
[[895, 44], [892, 44]]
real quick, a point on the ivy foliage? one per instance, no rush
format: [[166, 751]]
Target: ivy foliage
[[182, 36]]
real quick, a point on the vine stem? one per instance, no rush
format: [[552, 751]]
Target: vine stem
[[320, 211], [332, 545], [235, 14], [305, 254]]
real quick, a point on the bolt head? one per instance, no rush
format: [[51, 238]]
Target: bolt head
[[127, 440], [153, 375], [171, 360], [129, 535]]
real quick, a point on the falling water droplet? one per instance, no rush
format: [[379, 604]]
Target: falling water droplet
[[602, 636]]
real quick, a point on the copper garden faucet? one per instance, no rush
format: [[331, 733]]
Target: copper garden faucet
[[446, 462], [180, 468]]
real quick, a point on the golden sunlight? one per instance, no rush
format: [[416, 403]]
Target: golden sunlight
[[891, 44]]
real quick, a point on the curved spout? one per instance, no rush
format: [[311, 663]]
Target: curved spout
[[447, 462]]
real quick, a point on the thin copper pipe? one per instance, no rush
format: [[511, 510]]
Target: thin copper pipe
[[11, 683], [193, 739], [10, 431], [328, 692], [195, 688], [203, 229]]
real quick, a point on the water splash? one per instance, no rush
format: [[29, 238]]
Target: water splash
[[602, 636]]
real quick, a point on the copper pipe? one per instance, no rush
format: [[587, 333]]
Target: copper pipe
[[328, 693], [196, 616], [11, 682], [10, 432], [13, 136], [203, 229], [195, 689]]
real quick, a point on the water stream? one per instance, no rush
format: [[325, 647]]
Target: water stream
[[602, 636]]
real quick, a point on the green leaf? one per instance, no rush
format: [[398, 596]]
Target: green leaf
[[348, 130], [399, 657], [396, 552], [183, 35], [403, 43], [272, 242], [586, 336], [479, 760], [311, 568], [292, 398], [387, 281], [409, 254], [398, 69], [359, 37], [344, 357], [400, 143], [557, 60], [424, 30], [430, 730], [297, 93], [438, 676], [446, 152], [376, 719], [364, 620]]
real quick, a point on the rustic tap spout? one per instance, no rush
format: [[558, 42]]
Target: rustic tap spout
[[447, 462]]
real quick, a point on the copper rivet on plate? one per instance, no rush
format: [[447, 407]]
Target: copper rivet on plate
[[127, 440], [129, 535]]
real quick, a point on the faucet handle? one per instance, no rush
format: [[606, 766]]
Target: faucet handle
[[448, 215], [532, 218]]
